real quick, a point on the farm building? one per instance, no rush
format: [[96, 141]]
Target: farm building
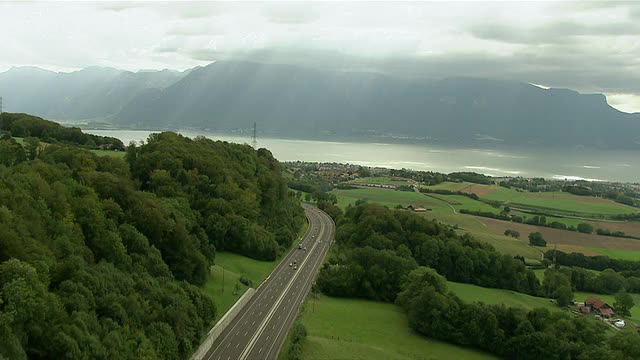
[[598, 306], [416, 208]]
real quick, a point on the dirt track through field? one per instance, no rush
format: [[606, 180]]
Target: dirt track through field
[[562, 237]]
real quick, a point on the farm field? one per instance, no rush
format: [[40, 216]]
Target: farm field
[[628, 227], [473, 293], [563, 237], [559, 202], [451, 186], [619, 254], [463, 202], [386, 197], [379, 180], [383, 333], [443, 213]]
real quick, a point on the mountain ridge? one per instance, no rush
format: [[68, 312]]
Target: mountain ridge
[[291, 100]]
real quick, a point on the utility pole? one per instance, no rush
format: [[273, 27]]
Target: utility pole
[[254, 138]]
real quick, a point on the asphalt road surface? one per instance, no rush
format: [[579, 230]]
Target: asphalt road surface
[[259, 330]]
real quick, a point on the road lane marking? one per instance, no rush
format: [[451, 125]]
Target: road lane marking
[[257, 334], [279, 272], [299, 299]]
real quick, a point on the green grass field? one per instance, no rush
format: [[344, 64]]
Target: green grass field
[[112, 153], [379, 180], [223, 298], [451, 186], [558, 202], [473, 293], [235, 266], [389, 198], [382, 333], [619, 254]]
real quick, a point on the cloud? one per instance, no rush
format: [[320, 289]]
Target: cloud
[[290, 13], [118, 6], [561, 32]]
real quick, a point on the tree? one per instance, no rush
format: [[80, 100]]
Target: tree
[[585, 228], [32, 147], [364, 172], [563, 295], [623, 303], [512, 233], [536, 239]]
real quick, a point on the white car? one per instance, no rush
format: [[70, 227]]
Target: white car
[[295, 267], [290, 264]]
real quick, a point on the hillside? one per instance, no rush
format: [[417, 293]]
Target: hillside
[[289, 100], [102, 257]]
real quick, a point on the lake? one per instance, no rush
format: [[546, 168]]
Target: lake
[[573, 163]]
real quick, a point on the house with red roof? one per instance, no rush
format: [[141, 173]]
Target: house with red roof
[[598, 306]]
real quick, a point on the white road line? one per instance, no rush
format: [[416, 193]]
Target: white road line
[[280, 269], [255, 337]]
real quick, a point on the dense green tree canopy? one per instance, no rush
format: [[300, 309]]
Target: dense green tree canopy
[[102, 258]]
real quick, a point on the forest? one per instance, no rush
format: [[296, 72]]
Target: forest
[[102, 257]]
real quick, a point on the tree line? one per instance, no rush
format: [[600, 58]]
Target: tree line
[[511, 333], [24, 125], [377, 247]]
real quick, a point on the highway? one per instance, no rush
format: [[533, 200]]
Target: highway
[[259, 330]]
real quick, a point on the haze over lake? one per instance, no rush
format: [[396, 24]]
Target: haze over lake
[[572, 163]]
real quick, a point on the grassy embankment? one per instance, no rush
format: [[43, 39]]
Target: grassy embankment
[[234, 267], [382, 333], [112, 153]]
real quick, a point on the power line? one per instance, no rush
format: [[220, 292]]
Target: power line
[[254, 138]]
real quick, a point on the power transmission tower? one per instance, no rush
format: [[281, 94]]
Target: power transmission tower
[[254, 138]]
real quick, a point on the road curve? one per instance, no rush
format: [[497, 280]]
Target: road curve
[[259, 330]]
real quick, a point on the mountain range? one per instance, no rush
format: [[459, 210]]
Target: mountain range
[[294, 101]]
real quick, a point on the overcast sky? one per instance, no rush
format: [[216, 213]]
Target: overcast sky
[[586, 46]]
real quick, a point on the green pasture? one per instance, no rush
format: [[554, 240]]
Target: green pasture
[[379, 181], [387, 197], [451, 186], [619, 254], [112, 153], [472, 293], [382, 333], [566, 203]]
